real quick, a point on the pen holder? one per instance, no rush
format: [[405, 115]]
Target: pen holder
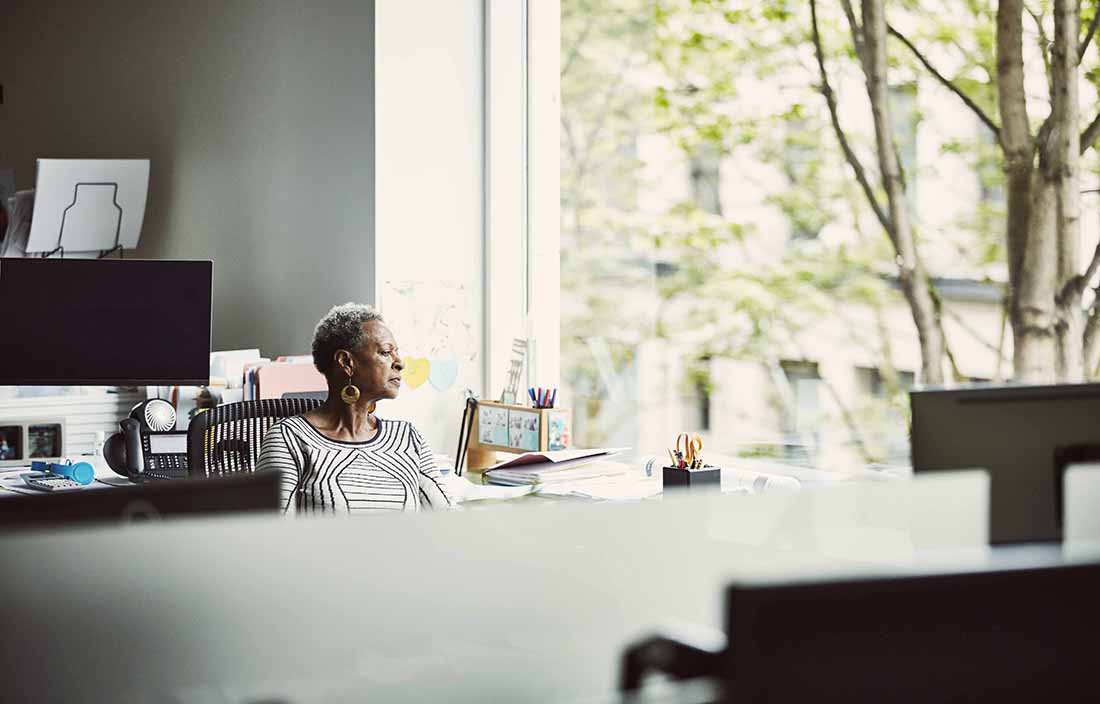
[[704, 476]]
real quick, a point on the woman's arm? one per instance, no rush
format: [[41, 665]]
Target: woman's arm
[[279, 454], [433, 492]]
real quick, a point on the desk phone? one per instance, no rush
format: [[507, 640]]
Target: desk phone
[[147, 447], [165, 454]]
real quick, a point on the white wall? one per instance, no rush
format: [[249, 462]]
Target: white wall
[[258, 119], [429, 199]]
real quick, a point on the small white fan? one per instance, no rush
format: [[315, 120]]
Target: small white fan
[[156, 414]]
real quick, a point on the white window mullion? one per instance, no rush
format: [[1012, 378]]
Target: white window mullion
[[544, 187], [505, 186], [522, 234]]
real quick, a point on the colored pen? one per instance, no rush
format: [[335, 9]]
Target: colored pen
[[553, 397], [531, 393]]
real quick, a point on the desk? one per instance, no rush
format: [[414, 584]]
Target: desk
[[738, 475], [532, 603]]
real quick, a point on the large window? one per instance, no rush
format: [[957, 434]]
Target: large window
[[723, 271]]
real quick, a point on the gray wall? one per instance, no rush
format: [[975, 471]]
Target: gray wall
[[259, 121]]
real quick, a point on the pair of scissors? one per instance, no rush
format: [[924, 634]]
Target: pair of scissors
[[693, 445]]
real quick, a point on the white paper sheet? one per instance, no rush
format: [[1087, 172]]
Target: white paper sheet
[[93, 203]]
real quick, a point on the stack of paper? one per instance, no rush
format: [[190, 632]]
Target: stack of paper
[[555, 466], [625, 486]]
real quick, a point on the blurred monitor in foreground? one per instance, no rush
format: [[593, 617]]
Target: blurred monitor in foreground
[[1019, 631], [244, 492], [1025, 436]]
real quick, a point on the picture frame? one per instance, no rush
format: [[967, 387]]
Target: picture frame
[[26, 441], [502, 427]]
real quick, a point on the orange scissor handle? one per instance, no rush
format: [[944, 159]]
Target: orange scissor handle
[[693, 446]]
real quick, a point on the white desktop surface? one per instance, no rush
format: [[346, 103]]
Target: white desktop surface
[[526, 603]]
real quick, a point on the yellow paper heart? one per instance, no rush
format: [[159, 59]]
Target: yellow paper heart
[[416, 371]]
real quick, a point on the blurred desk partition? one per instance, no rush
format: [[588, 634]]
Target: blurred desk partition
[[526, 602], [76, 511]]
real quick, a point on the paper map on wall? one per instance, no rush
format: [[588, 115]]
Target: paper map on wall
[[432, 323]]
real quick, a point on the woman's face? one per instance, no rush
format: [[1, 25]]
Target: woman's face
[[377, 363]]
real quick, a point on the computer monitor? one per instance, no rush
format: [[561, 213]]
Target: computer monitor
[[104, 322], [1024, 436]]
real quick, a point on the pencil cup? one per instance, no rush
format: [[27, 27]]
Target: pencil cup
[[708, 476]]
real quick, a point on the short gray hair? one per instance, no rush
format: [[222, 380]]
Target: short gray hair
[[341, 329]]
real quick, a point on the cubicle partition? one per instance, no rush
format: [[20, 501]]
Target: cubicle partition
[[528, 602]]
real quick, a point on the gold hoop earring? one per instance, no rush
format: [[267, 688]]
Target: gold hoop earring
[[350, 393]]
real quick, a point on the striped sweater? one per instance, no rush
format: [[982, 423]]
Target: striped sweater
[[393, 471]]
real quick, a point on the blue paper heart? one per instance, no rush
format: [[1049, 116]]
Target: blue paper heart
[[443, 374]]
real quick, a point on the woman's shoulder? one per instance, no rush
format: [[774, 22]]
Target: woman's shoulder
[[393, 425], [402, 428], [295, 425]]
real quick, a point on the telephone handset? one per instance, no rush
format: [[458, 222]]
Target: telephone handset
[[147, 447]]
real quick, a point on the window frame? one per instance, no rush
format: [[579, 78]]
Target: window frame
[[522, 238]]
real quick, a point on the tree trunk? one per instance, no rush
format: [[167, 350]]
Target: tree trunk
[[1092, 342], [1065, 145], [914, 280], [1029, 228], [1034, 314]]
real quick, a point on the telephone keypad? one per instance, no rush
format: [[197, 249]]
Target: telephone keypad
[[166, 466], [174, 461]]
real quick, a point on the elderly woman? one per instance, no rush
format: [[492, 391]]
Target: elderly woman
[[341, 457]]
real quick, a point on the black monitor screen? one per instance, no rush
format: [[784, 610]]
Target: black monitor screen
[[104, 322]]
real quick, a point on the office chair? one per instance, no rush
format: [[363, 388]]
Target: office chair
[[226, 439]]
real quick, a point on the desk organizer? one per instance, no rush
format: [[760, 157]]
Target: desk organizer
[[704, 476], [503, 427]]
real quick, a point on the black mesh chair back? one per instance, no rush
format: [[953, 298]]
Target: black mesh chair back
[[226, 439]]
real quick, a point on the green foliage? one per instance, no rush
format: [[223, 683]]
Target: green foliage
[[761, 451], [650, 85]]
